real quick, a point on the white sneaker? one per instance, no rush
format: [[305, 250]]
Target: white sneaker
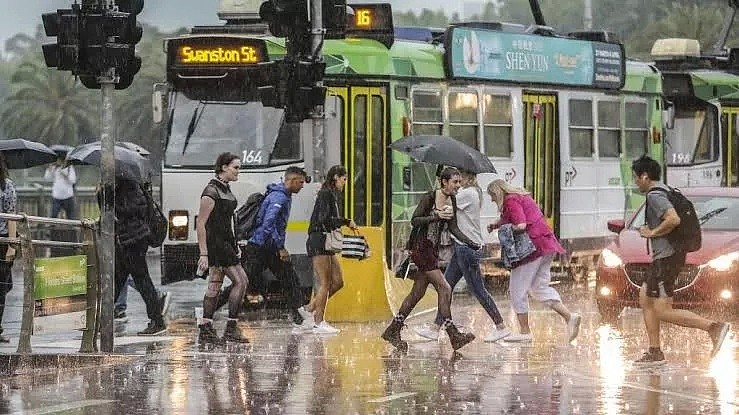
[[519, 338], [497, 334], [573, 326], [325, 328], [307, 316], [427, 332], [306, 327]]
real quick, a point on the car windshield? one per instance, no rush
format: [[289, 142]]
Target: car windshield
[[200, 130], [716, 213]]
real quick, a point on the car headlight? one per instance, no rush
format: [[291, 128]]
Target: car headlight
[[610, 259], [724, 262]]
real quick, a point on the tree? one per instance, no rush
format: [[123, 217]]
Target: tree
[[47, 106]]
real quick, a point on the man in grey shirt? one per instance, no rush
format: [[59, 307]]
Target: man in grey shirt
[[655, 295]]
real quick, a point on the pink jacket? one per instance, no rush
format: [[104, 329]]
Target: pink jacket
[[522, 208]]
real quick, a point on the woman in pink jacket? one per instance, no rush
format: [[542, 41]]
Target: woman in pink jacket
[[530, 276]]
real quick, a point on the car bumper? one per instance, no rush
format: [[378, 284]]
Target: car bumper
[[707, 289]]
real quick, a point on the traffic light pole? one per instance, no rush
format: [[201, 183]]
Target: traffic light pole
[[107, 216], [319, 120]]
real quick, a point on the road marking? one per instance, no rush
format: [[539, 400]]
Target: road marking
[[392, 397], [67, 406]]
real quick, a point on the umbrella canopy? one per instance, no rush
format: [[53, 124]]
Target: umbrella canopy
[[128, 164], [61, 149], [22, 154], [440, 149], [135, 147]]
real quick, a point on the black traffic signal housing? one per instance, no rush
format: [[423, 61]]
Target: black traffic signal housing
[[64, 25], [334, 18], [109, 39], [286, 18]]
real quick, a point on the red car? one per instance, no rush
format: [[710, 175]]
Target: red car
[[710, 277]]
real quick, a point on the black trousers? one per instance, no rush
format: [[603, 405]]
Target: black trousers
[[6, 279], [133, 262], [257, 259]]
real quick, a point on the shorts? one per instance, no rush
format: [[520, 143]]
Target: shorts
[[425, 255], [662, 274], [316, 244]]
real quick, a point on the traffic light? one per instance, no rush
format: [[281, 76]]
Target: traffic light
[[64, 25], [334, 18], [109, 39], [286, 18]]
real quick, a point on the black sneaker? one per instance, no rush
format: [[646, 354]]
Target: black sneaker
[[153, 329], [120, 316], [208, 334], [164, 299], [718, 332], [651, 359]]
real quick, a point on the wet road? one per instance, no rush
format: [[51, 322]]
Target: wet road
[[356, 372]]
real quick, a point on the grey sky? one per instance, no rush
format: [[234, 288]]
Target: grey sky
[[25, 15]]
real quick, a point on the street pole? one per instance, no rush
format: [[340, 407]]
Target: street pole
[[107, 215], [319, 121], [588, 15]]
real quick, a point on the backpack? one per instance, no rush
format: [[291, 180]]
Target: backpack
[[156, 220], [245, 217], [686, 237]]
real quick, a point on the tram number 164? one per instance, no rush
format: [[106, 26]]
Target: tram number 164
[[251, 157]]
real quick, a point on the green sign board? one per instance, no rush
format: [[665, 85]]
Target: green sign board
[[60, 277], [484, 54]]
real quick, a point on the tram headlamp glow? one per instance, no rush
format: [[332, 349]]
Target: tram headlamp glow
[[180, 221], [724, 262], [610, 260]]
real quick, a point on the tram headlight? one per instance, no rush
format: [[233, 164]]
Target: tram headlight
[[610, 260], [724, 262], [179, 221]]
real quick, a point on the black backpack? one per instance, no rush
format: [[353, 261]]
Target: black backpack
[[687, 236], [156, 220], [245, 217]]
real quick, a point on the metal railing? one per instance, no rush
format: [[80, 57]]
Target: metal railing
[[26, 243]]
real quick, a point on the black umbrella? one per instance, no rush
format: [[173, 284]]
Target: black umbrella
[[440, 149], [135, 147], [61, 149], [22, 154], [128, 164]]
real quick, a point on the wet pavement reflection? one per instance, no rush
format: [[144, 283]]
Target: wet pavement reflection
[[356, 372]]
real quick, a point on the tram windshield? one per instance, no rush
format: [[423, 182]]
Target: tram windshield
[[198, 131], [694, 137]]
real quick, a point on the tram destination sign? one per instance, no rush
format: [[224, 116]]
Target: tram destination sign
[[515, 57], [217, 51]]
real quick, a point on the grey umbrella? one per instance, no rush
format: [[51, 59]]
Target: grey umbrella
[[440, 149], [61, 149], [22, 154], [128, 163]]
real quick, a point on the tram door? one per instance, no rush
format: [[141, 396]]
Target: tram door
[[364, 152], [541, 154], [730, 146]]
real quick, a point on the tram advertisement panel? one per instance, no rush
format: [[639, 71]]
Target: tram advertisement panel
[[493, 55]]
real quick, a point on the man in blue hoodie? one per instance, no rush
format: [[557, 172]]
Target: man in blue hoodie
[[266, 247]]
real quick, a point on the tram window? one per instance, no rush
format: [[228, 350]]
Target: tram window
[[359, 185], [378, 165], [609, 129], [427, 113], [288, 145], [581, 128], [636, 137], [498, 125], [463, 124]]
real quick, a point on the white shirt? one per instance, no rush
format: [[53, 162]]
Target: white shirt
[[468, 214], [64, 181]]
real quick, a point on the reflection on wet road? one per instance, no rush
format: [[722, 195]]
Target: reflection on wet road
[[356, 372]]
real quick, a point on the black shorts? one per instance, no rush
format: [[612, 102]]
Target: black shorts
[[662, 274]]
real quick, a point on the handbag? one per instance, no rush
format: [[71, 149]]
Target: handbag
[[355, 247], [406, 267], [334, 239]]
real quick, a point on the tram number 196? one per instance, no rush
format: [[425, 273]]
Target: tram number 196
[[251, 157]]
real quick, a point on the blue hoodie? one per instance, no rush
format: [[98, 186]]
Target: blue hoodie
[[272, 218]]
